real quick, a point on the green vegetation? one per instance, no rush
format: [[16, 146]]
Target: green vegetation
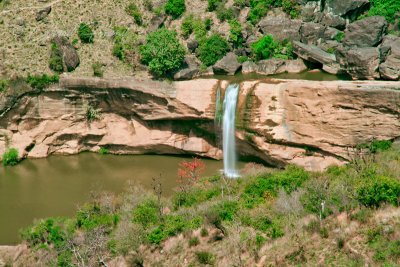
[[213, 4], [244, 215], [85, 33], [133, 11], [104, 151], [124, 43], [212, 49], [236, 37], [97, 69], [386, 8], [175, 8], [339, 36], [10, 157], [223, 13], [41, 82], [266, 48], [91, 114], [162, 52], [260, 8], [56, 58], [3, 86], [187, 26]]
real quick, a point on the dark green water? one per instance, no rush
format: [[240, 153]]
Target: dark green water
[[56, 185]]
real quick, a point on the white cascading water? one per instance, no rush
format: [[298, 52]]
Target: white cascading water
[[229, 118]]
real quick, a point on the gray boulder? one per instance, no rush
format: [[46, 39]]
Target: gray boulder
[[156, 22], [360, 63], [192, 44], [227, 65], [69, 54], [367, 32], [249, 67], [41, 14], [189, 70], [276, 66], [332, 20], [348, 8], [281, 27], [390, 52], [315, 54], [311, 33]]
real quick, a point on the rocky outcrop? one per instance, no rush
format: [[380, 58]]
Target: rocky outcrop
[[348, 8], [390, 49], [281, 27], [360, 63], [276, 66], [227, 65], [276, 118], [367, 32], [68, 52], [314, 54]]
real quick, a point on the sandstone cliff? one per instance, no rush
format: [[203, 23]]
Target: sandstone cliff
[[279, 121]]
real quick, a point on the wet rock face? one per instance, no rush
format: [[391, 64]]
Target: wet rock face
[[144, 116]]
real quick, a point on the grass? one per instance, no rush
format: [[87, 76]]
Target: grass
[[277, 214]]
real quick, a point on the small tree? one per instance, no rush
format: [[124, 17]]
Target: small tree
[[162, 51], [85, 33], [175, 8], [212, 49], [189, 174]]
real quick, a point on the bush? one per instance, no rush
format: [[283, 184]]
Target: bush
[[97, 69], [56, 58], [91, 216], [85, 33], [212, 5], [291, 7], [133, 11], [203, 232], [240, 3], [91, 114], [103, 151], [194, 241], [266, 47], [40, 82], [224, 13], [3, 86], [124, 41], [146, 213], [386, 8], [212, 49], [187, 26], [10, 157], [204, 257], [162, 51], [374, 191], [175, 8], [236, 33]]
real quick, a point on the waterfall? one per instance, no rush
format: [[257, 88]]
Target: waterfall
[[229, 118]]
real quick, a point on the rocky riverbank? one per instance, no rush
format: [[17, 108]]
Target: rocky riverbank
[[308, 123]]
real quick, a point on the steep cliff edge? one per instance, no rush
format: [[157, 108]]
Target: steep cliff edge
[[279, 121]]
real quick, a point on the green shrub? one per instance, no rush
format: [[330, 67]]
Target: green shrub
[[91, 114], [3, 86], [236, 36], [56, 58], [187, 26], [146, 213], [41, 82], [203, 232], [85, 33], [331, 50], [133, 11], [386, 251], [339, 36], [266, 47], [226, 210], [243, 59], [194, 241], [224, 13], [156, 236], [124, 42], [291, 7], [175, 8], [374, 191], [204, 257], [212, 49], [240, 3], [10, 157], [91, 216], [103, 151], [162, 51], [386, 8], [362, 215], [97, 69], [213, 4]]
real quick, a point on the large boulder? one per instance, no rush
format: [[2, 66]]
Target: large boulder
[[190, 69], [227, 65], [69, 54], [360, 63], [311, 33], [281, 27], [367, 32], [41, 14], [332, 20], [276, 66], [192, 45], [249, 67], [348, 8], [390, 50], [316, 55]]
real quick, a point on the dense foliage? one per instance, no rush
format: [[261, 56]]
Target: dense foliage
[[236, 36], [386, 8], [162, 51], [212, 49], [85, 33], [175, 8], [40, 82], [10, 157], [266, 48], [260, 8]]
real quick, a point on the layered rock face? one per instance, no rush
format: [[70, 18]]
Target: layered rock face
[[279, 121]]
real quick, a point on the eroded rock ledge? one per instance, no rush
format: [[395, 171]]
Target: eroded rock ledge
[[309, 123]]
